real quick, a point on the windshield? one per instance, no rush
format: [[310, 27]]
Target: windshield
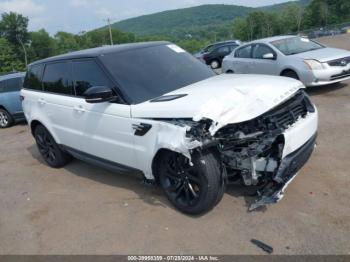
[[296, 45], [150, 72]]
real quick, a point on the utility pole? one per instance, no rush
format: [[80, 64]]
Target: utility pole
[[24, 50], [110, 30]]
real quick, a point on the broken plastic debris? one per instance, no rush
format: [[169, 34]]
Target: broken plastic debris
[[263, 246]]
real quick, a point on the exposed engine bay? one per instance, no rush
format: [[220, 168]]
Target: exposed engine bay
[[252, 151]]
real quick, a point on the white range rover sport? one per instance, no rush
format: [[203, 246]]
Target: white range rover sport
[[152, 107]]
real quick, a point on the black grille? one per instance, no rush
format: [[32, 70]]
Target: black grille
[[277, 119], [288, 112], [340, 62]]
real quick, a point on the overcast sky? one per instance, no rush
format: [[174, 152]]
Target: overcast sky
[[79, 15]]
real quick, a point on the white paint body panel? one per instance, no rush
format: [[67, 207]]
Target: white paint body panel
[[105, 130]]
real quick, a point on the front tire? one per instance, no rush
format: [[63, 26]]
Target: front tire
[[53, 155], [6, 119], [193, 189], [290, 74]]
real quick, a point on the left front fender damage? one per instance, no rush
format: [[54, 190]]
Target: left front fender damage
[[260, 152]]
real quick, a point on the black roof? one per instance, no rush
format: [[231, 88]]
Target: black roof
[[94, 52]]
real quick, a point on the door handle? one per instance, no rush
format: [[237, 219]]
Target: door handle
[[79, 109], [41, 101]]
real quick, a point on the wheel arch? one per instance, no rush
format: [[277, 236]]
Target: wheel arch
[[161, 151], [155, 161], [34, 124], [288, 69], [3, 108]]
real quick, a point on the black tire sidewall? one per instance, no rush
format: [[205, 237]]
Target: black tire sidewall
[[208, 169], [9, 118], [61, 157]]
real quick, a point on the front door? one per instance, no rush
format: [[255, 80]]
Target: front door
[[107, 127], [264, 60]]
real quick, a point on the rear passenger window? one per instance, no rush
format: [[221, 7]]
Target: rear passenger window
[[33, 77], [244, 52], [86, 74], [2, 86], [57, 78], [13, 84]]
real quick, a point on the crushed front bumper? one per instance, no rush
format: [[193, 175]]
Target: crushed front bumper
[[287, 171]]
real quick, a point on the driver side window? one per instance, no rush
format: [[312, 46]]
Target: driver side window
[[260, 50], [86, 74], [244, 52]]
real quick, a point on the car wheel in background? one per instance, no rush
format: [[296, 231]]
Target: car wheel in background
[[192, 188], [290, 74], [5, 119], [48, 148], [214, 64], [229, 72]]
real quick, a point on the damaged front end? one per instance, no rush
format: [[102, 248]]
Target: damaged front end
[[254, 151]]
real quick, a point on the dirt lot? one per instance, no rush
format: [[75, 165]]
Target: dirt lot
[[82, 209]]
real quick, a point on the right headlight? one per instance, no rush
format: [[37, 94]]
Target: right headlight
[[314, 64]]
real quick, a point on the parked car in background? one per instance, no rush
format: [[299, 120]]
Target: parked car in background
[[168, 115], [292, 56], [213, 54], [10, 103]]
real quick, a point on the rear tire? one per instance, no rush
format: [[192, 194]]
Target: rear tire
[[53, 155], [6, 119], [191, 189], [290, 74]]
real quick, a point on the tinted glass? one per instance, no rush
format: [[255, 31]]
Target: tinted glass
[[244, 52], [57, 78], [33, 78], [13, 84], [2, 86], [86, 74], [224, 50], [296, 45], [260, 50], [147, 73], [233, 47]]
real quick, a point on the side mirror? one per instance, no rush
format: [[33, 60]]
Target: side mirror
[[269, 56], [99, 94]]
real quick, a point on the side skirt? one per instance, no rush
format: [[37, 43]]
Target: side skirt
[[94, 160]]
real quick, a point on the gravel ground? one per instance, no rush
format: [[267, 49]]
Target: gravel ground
[[82, 209]]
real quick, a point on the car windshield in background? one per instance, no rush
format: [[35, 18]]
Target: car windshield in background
[[296, 45], [151, 72]]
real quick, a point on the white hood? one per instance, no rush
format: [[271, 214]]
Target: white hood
[[227, 98]]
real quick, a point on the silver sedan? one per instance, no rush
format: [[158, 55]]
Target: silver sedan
[[292, 56]]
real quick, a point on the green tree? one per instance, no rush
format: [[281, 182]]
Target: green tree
[[42, 45], [240, 29], [14, 27], [66, 42], [8, 60]]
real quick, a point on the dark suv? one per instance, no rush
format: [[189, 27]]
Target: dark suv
[[214, 54]]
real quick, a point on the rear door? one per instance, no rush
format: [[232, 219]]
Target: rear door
[[58, 104], [242, 60], [107, 127]]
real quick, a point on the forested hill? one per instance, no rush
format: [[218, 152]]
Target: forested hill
[[191, 19]]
